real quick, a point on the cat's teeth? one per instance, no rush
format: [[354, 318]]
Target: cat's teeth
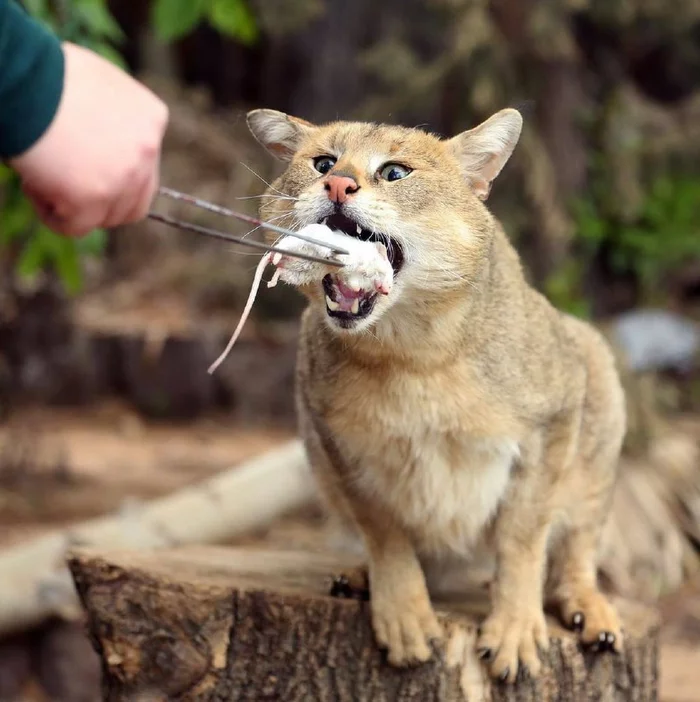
[[332, 306], [359, 229], [324, 220], [355, 309]]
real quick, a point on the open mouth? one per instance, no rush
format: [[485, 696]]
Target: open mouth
[[343, 303], [339, 222]]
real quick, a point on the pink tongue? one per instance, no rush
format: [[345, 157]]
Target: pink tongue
[[345, 296]]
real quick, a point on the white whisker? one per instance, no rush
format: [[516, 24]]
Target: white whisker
[[269, 185]]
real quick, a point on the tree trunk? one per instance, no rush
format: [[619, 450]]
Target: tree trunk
[[235, 624]]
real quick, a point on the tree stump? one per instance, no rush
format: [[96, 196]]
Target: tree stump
[[204, 623]]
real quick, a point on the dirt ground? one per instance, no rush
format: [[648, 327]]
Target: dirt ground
[[80, 465]]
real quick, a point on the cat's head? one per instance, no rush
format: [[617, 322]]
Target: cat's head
[[421, 195]]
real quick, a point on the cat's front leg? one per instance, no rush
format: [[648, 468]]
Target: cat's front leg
[[394, 582], [515, 632], [403, 618], [395, 585], [510, 637]]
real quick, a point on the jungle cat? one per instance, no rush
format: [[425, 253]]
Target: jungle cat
[[460, 411]]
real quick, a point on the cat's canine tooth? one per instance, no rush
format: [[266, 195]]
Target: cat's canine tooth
[[332, 306], [324, 220], [359, 229], [355, 309]]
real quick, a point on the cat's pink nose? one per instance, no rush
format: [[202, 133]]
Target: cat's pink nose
[[340, 188]]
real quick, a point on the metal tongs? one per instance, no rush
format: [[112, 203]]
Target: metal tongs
[[203, 204]]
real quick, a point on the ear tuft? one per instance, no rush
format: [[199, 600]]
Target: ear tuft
[[279, 133], [484, 150]]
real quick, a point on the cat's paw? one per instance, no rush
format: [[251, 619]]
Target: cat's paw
[[591, 615], [405, 627], [509, 640]]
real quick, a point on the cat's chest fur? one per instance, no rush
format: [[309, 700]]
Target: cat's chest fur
[[437, 458]]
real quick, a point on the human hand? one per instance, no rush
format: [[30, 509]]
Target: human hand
[[97, 165]]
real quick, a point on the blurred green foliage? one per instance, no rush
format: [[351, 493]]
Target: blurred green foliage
[[662, 235], [172, 19], [38, 248], [563, 288], [85, 22], [89, 23]]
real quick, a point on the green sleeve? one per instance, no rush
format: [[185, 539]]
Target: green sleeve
[[31, 79]]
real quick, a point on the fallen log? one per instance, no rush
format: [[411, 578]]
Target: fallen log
[[35, 584], [241, 624]]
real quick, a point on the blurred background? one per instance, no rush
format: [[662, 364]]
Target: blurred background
[[105, 341]]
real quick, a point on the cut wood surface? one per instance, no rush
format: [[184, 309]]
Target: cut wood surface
[[205, 623], [35, 584]]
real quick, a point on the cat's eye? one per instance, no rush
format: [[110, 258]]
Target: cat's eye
[[394, 171], [323, 164]]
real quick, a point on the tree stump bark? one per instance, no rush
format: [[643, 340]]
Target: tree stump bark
[[220, 624]]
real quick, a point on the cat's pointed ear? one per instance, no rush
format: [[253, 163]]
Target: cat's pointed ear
[[484, 150], [279, 133]]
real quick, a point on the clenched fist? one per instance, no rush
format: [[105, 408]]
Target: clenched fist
[[97, 165]]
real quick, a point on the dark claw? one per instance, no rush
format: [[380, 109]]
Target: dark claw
[[609, 641], [578, 621], [523, 673], [484, 654], [340, 588], [605, 642], [504, 675]]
